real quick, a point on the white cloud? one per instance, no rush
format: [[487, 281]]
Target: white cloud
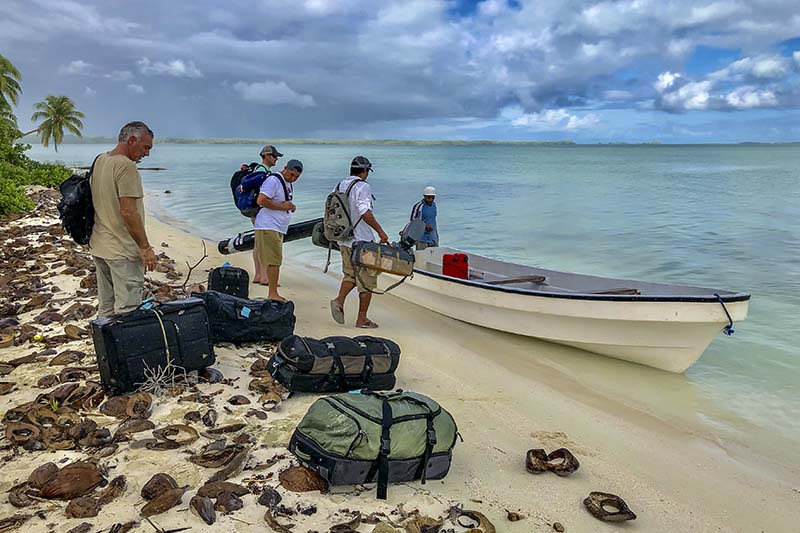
[[134, 88], [176, 68], [666, 80], [89, 92], [690, 96], [616, 94], [272, 93], [796, 57], [751, 97], [754, 68], [556, 120], [119, 75], [77, 67]]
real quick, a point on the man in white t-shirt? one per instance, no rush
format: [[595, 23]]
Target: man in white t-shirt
[[269, 156], [361, 209], [272, 221]]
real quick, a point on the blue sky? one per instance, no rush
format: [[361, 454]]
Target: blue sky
[[635, 70]]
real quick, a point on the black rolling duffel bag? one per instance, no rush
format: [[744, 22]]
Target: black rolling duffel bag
[[240, 320], [230, 280], [335, 364], [175, 333]]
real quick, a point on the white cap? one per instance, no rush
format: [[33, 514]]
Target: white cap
[[429, 191]]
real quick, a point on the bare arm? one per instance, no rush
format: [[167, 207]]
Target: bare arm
[[372, 222], [265, 201], [133, 222]]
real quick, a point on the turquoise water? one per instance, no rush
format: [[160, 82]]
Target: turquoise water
[[719, 216]]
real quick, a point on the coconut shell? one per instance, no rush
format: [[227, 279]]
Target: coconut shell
[[158, 485], [204, 508], [233, 468], [178, 433], [6, 387], [130, 426], [227, 502], [212, 490], [85, 507], [302, 479], [115, 488], [73, 481], [42, 475], [164, 502]]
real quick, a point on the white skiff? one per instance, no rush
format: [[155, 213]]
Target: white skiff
[[658, 325]]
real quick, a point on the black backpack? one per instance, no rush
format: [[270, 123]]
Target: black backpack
[[230, 280], [76, 208]]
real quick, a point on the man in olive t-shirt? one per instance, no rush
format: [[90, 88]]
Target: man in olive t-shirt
[[119, 242]]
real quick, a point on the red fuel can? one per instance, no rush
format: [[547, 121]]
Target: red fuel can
[[455, 265]]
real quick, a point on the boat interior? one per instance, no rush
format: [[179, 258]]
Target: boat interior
[[484, 271]]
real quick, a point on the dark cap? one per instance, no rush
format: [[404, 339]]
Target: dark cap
[[295, 164], [270, 150], [360, 161]]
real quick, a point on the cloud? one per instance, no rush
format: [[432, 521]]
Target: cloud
[[134, 88], [556, 120], [77, 67], [119, 75], [272, 93], [89, 92], [754, 68], [176, 68], [750, 98]]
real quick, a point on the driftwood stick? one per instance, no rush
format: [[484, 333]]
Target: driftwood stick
[[189, 274]]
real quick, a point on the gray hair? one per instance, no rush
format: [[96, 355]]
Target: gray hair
[[135, 128]]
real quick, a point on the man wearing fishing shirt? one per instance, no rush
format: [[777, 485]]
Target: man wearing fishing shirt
[[272, 221], [425, 210]]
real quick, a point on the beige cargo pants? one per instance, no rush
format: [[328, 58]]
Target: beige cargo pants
[[120, 283]]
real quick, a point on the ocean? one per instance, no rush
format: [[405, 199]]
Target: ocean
[[722, 216]]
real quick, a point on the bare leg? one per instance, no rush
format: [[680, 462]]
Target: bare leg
[[273, 271], [364, 299], [344, 290]]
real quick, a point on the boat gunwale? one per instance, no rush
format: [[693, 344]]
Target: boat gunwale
[[730, 298]]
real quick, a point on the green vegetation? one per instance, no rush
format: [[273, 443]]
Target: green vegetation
[[58, 113], [16, 169]]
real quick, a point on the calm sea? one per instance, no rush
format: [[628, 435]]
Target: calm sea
[[720, 216]]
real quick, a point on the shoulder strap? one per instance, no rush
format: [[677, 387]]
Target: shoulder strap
[[91, 169], [347, 193], [283, 183]]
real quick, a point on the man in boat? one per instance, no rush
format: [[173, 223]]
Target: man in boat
[[269, 156], [272, 221], [425, 210], [119, 241], [360, 199]]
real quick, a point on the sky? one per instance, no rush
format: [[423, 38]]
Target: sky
[[674, 71]]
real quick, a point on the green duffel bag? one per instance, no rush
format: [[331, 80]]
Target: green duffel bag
[[367, 436]]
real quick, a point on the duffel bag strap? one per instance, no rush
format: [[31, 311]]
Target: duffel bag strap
[[385, 450], [366, 372], [390, 287], [431, 442], [337, 372]]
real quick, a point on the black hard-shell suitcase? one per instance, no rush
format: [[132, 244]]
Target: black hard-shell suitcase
[[335, 364], [241, 320], [230, 280], [127, 344]]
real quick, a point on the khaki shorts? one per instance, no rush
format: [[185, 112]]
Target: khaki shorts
[[367, 279], [269, 246]]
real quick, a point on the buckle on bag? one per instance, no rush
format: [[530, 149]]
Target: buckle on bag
[[385, 446], [431, 436]]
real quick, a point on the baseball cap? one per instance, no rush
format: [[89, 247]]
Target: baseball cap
[[295, 164], [270, 150], [360, 161]]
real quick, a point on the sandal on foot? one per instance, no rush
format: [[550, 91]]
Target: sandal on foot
[[337, 312], [368, 325], [599, 503], [566, 466]]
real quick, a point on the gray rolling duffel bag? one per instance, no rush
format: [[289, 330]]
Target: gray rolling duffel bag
[[369, 436], [335, 364]]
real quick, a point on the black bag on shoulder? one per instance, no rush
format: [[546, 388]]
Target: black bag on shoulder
[[335, 364], [76, 209], [241, 320], [131, 345], [230, 280]]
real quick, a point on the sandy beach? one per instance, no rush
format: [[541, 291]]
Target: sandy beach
[[503, 397]]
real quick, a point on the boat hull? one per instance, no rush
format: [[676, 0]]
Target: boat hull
[[669, 335]]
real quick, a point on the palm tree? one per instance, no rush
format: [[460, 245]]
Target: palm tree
[[9, 82], [59, 112], [7, 114]]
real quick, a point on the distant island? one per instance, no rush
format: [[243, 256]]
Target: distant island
[[71, 139]]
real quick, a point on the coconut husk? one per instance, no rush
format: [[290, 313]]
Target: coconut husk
[[123, 528], [13, 522], [179, 434], [274, 524], [210, 418], [130, 426], [158, 485], [227, 502], [19, 433], [260, 368], [140, 405], [18, 496], [230, 428], [423, 524], [6, 387], [213, 458], [74, 332], [85, 507], [84, 527], [192, 416], [45, 382], [42, 475], [210, 375], [7, 339], [270, 498], [204, 508], [73, 481], [115, 406], [67, 357], [164, 502], [239, 399], [233, 468], [302, 479], [116, 487], [6, 369], [212, 490], [348, 527]]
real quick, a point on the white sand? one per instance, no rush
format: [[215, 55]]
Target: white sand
[[505, 400]]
